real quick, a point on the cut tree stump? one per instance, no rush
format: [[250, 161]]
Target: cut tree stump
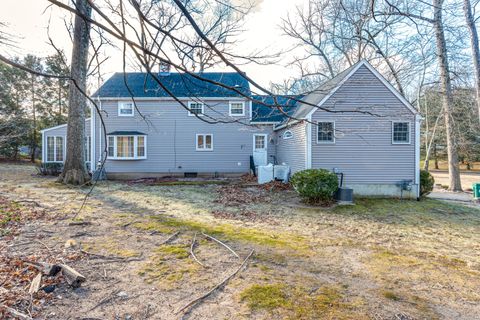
[[73, 278], [36, 284]]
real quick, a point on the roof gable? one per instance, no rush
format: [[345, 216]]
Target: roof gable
[[319, 96]]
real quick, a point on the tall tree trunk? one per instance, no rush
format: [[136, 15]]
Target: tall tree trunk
[[435, 156], [472, 28], [453, 171], [75, 171], [34, 126]]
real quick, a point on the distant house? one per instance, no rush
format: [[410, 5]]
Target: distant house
[[355, 123]]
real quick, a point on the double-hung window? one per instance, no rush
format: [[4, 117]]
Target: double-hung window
[[55, 149], [326, 132], [204, 142], [237, 108], [195, 108], [400, 132], [125, 109], [124, 147]]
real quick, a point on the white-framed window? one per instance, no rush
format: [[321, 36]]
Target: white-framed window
[[401, 132], [125, 109], [55, 149], [204, 142], [195, 108], [287, 135], [236, 108], [88, 148], [127, 147], [260, 141], [326, 132]]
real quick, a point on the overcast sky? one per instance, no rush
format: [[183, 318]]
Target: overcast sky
[[27, 20]]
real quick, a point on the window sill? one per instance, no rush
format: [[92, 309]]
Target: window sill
[[117, 158], [125, 115], [204, 150], [325, 142], [404, 143]]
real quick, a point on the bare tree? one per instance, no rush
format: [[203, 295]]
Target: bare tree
[[472, 29], [416, 14], [75, 171]]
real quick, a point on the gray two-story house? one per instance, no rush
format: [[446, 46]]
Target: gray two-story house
[[355, 123]]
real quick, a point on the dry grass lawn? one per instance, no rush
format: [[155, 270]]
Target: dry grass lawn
[[377, 259]]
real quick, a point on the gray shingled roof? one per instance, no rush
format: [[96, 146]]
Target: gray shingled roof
[[180, 84], [269, 112], [317, 95]]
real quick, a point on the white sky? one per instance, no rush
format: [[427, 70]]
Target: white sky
[[28, 19]]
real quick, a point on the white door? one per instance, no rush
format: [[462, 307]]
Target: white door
[[260, 149]]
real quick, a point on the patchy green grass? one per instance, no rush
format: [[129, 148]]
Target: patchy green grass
[[326, 302], [168, 266], [228, 232]]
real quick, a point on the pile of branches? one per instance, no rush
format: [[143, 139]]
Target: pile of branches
[[234, 195]]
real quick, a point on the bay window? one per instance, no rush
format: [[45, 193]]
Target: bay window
[[127, 147]]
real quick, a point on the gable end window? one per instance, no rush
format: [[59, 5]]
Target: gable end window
[[326, 132], [125, 109], [55, 149], [237, 109], [400, 132], [287, 135], [204, 142], [127, 147], [195, 108]]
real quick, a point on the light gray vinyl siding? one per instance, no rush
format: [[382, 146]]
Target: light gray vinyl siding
[[363, 148], [60, 131], [292, 151], [171, 138]]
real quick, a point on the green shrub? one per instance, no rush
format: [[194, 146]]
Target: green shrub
[[50, 168], [315, 185], [426, 183]]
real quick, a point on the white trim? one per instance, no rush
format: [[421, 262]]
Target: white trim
[[92, 137], [196, 114], [120, 106], [308, 159], [285, 133], [64, 143], [236, 114], [43, 147], [288, 124], [59, 126], [333, 133], [135, 145], [204, 142], [409, 132], [378, 75], [265, 135], [251, 110], [418, 120], [265, 122]]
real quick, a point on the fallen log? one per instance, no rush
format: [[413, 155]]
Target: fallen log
[[73, 278], [35, 284], [47, 269], [192, 303], [16, 313]]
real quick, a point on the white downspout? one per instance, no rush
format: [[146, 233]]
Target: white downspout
[[418, 121]]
